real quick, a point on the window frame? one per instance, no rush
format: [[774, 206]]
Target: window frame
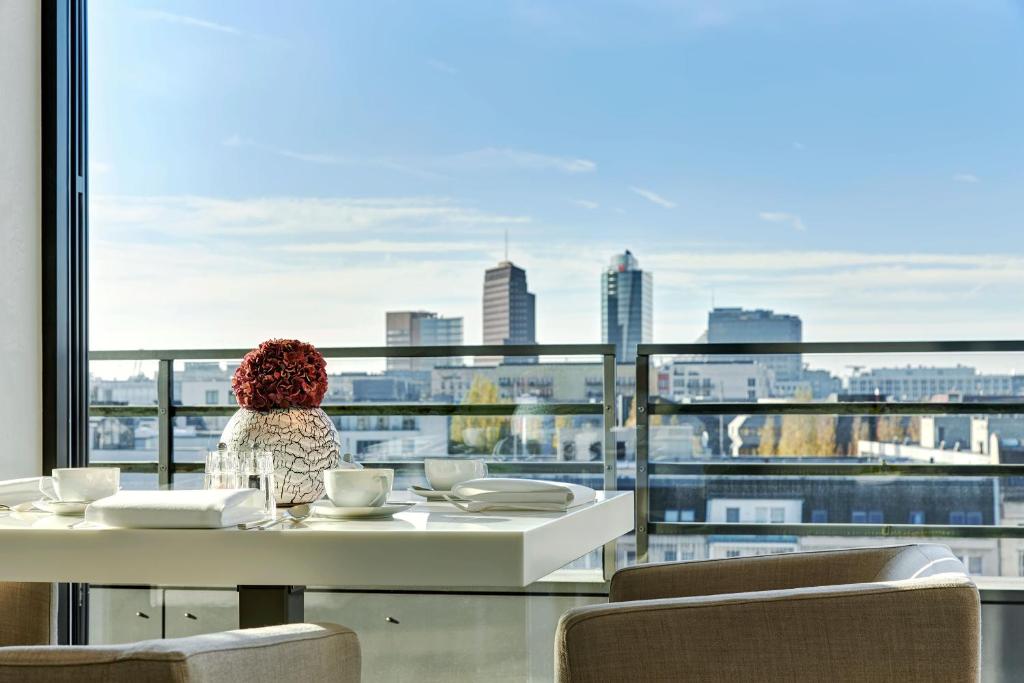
[[64, 242]]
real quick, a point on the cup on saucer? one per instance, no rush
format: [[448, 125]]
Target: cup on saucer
[[81, 484], [367, 487], [444, 473]]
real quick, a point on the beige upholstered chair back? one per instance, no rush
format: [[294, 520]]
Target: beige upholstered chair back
[[902, 613], [28, 614], [780, 572]]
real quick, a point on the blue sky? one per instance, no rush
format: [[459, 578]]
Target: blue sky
[[263, 168]]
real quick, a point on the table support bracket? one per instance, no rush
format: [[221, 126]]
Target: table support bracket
[[270, 605]]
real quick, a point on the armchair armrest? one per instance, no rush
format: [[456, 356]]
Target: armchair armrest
[[778, 572], [917, 630], [296, 653]]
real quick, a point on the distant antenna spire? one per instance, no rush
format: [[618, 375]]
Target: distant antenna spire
[[506, 244]]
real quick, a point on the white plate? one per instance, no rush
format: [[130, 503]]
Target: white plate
[[325, 508], [430, 494], [59, 507]]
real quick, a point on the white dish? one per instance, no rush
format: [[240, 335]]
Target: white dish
[[430, 494], [61, 507], [325, 508]]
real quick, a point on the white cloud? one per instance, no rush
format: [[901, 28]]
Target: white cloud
[[966, 178], [200, 217], [585, 204], [328, 159], [386, 247], [234, 272], [790, 219], [184, 20], [495, 157], [654, 197], [799, 146]]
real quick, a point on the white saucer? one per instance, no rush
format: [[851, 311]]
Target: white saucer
[[430, 494], [60, 507], [325, 508]]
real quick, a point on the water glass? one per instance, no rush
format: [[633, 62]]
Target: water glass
[[256, 471], [242, 470], [221, 470]]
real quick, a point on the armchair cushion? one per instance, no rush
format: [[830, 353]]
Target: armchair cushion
[[293, 652]]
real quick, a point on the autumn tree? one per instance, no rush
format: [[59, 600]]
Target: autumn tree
[[899, 428], [480, 432], [767, 437]]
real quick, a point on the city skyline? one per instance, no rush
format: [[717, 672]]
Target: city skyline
[[356, 161]]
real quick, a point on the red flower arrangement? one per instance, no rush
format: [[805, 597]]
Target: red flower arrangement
[[281, 373]]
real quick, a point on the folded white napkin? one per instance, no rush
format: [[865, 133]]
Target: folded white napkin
[[497, 494], [205, 509], [16, 491]]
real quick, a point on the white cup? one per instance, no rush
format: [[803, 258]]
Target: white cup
[[444, 473], [81, 484], [367, 487]]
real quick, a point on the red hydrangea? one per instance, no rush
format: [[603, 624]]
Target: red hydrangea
[[281, 373]]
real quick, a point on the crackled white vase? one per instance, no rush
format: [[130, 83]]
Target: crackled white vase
[[303, 441]]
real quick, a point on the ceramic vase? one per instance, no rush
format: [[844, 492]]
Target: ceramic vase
[[303, 441]]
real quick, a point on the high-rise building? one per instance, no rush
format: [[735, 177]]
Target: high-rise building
[[627, 317], [509, 311], [422, 328], [738, 325]]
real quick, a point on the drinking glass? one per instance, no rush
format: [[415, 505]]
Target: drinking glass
[[243, 469], [256, 471], [221, 470]]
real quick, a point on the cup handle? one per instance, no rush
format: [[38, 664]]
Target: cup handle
[[46, 488], [382, 497]]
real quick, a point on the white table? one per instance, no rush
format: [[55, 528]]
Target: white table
[[429, 545]]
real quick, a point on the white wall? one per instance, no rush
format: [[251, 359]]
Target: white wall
[[20, 255]]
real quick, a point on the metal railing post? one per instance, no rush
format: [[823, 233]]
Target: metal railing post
[[642, 495], [611, 476], [165, 422]]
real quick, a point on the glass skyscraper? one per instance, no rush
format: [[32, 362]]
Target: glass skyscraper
[[509, 311], [627, 309]]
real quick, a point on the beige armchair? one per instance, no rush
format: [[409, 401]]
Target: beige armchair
[[903, 613], [293, 652]]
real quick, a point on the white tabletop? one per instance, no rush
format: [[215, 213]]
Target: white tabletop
[[430, 544]]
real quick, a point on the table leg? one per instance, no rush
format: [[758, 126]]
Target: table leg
[[270, 605]]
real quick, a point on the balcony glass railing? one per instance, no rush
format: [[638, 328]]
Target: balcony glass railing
[[921, 453], [157, 423], [816, 463]]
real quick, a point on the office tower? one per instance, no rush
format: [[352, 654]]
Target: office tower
[[509, 311], [737, 325], [627, 295], [422, 328]]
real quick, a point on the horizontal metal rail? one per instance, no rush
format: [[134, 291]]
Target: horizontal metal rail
[[493, 466], [369, 352], [375, 409], [884, 530], [863, 469], [839, 408], [757, 348]]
